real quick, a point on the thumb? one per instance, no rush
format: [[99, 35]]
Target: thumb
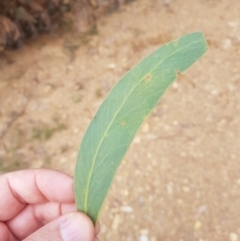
[[70, 227]]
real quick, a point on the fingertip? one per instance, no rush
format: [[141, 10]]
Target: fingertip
[[77, 226]]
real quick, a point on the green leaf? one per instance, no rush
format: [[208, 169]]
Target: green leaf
[[115, 124]]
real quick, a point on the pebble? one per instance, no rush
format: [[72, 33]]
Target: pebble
[[76, 130], [151, 137], [70, 67], [103, 228], [64, 116], [143, 237], [214, 92], [233, 237], [43, 107], [137, 140], [144, 231], [183, 153], [126, 209], [63, 160], [2, 152], [202, 209], [166, 127], [197, 225], [145, 128], [116, 222], [111, 66], [140, 200], [175, 123], [47, 88], [149, 155], [32, 106], [170, 188], [233, 24], [23, 100], [180, 202], [233, 156], [227, 43], [166, 2], [125, 192], [74, 154], [175, 85], [185, 189]]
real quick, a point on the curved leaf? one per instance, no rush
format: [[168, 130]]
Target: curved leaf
[[115, 124]]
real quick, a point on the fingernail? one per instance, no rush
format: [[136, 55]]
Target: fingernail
[[72, 229]]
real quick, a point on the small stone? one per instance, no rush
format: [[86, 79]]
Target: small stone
[[74, 154], [185, 189], [227, 43], [170, 188], [63, 160], [137, 140], [116, 222], [233, 156], [231, 87], [151, 137], [180, 202], [143, 237], [144, 231], [175, 85], [47, 88], [233, 24], [43, 107], [167, 2], [103, 228], [32, 106], [145, 128], [183, 153], [202, 209], [149, 155], [112, 66], [197, 225], [125, 192], [2, 152], [233, 237], [23, 100], [167, 127], [70, 67], [214, 92], [175, 123], [126, 209], [76, 130]]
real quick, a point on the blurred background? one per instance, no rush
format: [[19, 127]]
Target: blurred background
[[58, 60]]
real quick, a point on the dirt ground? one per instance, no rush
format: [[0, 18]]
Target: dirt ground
[[180, 181]]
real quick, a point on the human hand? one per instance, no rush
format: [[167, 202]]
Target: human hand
[[38, 205]]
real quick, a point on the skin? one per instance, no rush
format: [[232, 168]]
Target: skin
[[37, 204]]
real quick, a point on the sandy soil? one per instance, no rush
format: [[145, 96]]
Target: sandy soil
[[181, 178]]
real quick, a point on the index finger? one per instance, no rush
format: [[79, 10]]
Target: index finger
[[32, 187]]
